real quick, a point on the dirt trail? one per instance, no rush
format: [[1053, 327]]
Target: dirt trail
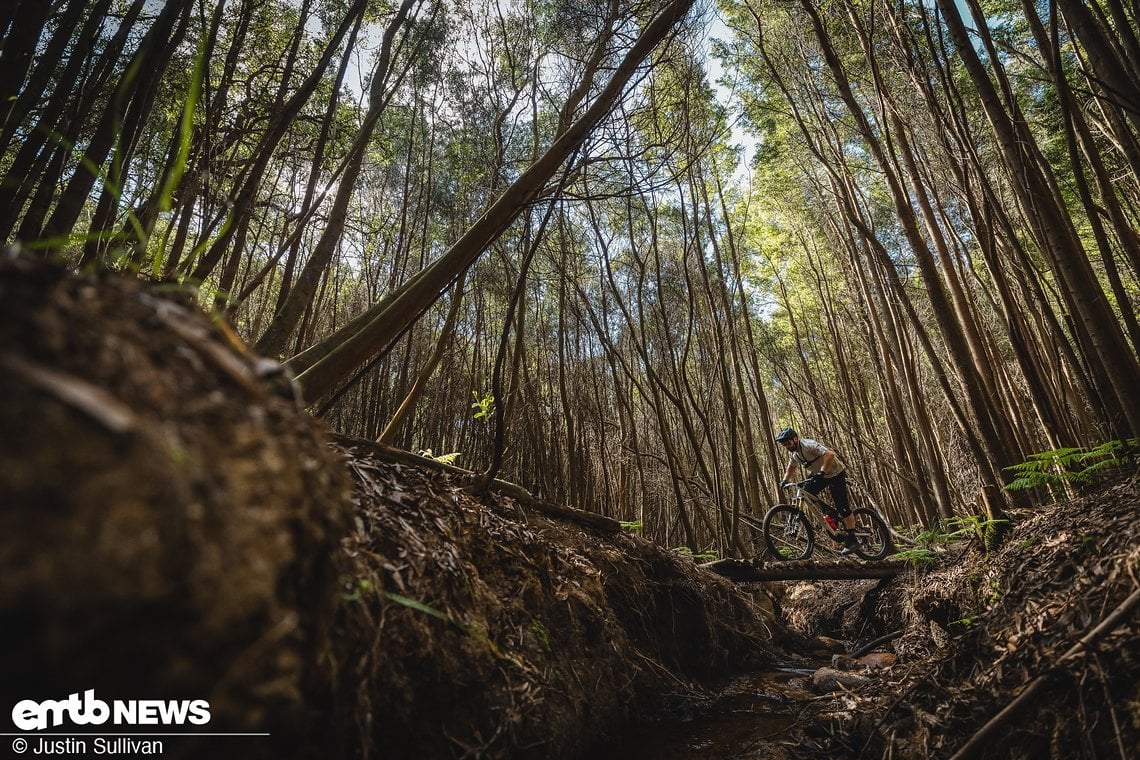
[[174, 526], [977, 630]]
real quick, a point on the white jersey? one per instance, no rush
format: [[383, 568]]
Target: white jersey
[[810, 455]]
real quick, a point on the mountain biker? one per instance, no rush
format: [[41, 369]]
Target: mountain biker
[[826, 471]]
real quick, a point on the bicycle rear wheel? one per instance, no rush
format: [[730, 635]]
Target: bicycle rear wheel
[[788, 533], [872, 539]]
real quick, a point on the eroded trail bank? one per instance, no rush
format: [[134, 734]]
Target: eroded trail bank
[[1032, 651], [175, 527], [543, 633]]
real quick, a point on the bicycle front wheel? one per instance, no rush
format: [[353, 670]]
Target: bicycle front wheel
[[872, 539], [788, 533]]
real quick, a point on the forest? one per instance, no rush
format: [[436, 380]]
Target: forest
[[603, 249], [536, 235]]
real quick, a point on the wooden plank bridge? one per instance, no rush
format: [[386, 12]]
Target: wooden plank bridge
[[744, 570]]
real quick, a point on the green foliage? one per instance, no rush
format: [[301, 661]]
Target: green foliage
[[1072, 465], [707, 555], [956, 529], [633, 526], [973, 526], [412, 604], [930, 543], [451, 458], [995, 593], [541, 634], [484, 405], [987, 595], [362, 587], [365, 586], [185, 133], [917, 556]]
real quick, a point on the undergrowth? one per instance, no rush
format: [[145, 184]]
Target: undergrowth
[[1073, 465]]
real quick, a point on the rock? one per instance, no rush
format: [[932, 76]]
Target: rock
[[826, 680], [877, 660], [843, 662], [834, 646]]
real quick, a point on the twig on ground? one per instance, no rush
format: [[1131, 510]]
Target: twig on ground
[[875, 642], [1118, 616]]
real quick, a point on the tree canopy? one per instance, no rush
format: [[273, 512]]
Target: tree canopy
[[536, 233]]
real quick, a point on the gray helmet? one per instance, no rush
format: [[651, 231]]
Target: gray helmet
[[786, 434]]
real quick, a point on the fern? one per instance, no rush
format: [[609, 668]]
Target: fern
[[441, 458], [707, 555], [1071, 465], [931, 543], [974, 525], [917, 556], [451, 458]]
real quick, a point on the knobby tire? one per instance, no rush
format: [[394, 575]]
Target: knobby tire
[[873, 539], [787, 533]]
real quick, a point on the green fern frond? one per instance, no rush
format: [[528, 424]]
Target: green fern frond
[[451, 458], [1071, 465]]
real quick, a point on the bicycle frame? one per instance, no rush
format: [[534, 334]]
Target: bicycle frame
[[788, 531], [797, 500]]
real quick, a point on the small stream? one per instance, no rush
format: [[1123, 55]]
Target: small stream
[[750, 717]]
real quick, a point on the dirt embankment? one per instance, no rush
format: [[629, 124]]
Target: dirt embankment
[[173, 526], [480, 625], [168, 521], [1047, 629]]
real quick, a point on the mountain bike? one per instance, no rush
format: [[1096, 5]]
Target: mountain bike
[[789, 535]]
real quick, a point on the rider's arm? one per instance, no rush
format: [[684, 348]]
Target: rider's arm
[[827, 463], [790, 471]]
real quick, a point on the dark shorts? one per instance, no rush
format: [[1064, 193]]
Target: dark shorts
[[837, 486]]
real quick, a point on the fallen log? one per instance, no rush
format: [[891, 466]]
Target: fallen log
[[802, 570], [506, 488]]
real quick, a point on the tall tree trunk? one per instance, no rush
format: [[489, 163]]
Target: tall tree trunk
[[301, 294], [15, 108], [138, 80], [326, 364], [48, 141], [279, 123], [408, 405], [951, 330], [20, 37], [1113, 366]]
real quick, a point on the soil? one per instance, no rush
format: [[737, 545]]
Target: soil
[[976, 631], [475, 625], [173, 525], [170, 517], [176, 527]]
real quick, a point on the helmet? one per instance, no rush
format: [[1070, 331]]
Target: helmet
[[786, 434]]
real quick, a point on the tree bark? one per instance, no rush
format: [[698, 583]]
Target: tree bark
[[1114, 367], [301, 294], [323, 366]]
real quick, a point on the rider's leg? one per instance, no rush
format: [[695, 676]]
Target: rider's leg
[[838, 488], [814, 485]]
